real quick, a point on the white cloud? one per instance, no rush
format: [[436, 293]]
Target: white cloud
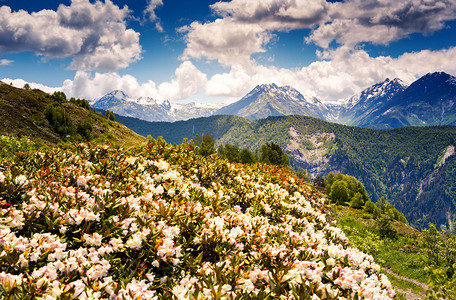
[[84, 85], [149, 12], [189, 80], [340, 73], [229, 42], [19, 83], [247, 26], [93, 35], [380, 22], [5, 62], [343, 73], [275, 14]]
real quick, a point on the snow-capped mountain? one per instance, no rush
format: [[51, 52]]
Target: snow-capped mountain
[[270, 100], [112, 99], [362, 106], [427, 101], [152, 110]]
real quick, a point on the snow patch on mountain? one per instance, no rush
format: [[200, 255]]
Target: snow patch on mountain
[[151, 109]]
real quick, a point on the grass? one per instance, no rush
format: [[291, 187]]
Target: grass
[[400, 254], [22, 113]]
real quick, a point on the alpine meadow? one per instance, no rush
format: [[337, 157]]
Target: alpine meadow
[[228, 149]]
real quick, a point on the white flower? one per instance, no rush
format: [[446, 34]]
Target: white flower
[[21, 180], [330, 261], [134, 243]]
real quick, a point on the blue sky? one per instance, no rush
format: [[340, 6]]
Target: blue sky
[[210, 51]]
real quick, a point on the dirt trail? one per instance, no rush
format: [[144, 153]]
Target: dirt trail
[[410, 294]]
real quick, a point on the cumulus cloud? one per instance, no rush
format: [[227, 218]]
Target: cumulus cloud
[[18, 82], [224, 40], [343, 73], [247, 26], [93, 35], [188, 81], [88, 86], [380, 22], [275, 14], [150, 14], [5, 62]]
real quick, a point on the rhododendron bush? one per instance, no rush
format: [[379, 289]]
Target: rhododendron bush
[[160, 222]]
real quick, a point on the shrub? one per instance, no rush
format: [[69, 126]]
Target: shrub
[[159, 222], [110, 115], [385, 228], [272, 154], [339, 192], [59, 97], [81, 103], [357, 201], [85, 129], [370, 207], [59, 120]]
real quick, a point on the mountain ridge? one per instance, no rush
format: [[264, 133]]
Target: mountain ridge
[[150, 109], [386, 104]]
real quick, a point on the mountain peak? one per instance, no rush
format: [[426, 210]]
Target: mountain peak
[[117, 94], [265, 87], [271, 100]]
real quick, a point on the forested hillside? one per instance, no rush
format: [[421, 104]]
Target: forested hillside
[[414, 168]]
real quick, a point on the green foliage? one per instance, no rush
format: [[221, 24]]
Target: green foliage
[[357, 201], [10, 146], [360, 235], [272, 154], [319, 182], [352, 188], [385, 228], [229, 152], [59, 120], [440, 251], [110, 115], [247, 157], [81, 103], [85, 129], [59, 97], [339, 192], [27, 87], [205, 144], [376, 213], [370, 207]]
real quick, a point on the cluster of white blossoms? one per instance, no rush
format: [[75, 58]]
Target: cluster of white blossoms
[[95, 223]]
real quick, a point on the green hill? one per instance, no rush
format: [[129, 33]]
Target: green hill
[[27, 113], [413, 167]]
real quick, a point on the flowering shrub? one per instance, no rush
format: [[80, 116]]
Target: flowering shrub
[[162, 223]]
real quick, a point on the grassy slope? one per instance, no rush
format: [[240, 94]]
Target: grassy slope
[[22, 113], [402, 258]]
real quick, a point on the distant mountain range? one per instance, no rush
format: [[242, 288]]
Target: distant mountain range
[[149, 109], [389, 104]]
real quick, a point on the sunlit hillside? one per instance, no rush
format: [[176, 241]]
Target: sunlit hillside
[[159, 222]]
